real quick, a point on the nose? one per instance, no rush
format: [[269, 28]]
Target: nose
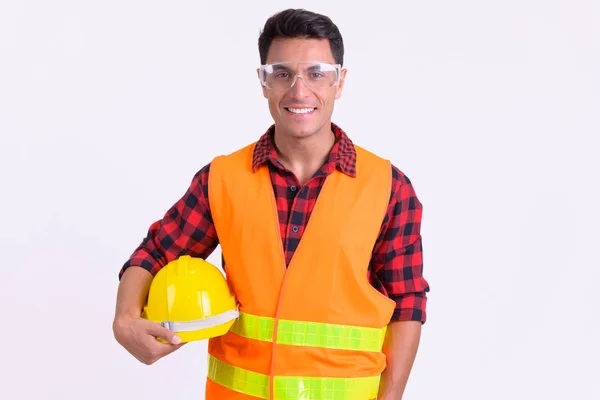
[[298, 88]]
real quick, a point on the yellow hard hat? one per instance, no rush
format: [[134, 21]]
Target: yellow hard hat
[[190, 296]]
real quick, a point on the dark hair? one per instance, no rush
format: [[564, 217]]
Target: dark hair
[[299, 23]]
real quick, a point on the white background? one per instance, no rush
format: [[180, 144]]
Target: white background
[[107, 109]]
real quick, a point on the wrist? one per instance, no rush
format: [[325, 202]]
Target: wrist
[[123, 319]]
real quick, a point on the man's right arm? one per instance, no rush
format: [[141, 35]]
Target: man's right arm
[[135, 334], [133, 290], [186, 229]]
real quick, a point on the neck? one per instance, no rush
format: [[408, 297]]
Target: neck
[[304, 156]]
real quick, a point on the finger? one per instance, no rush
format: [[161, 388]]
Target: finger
[[158, 350], [158, 331], [157, 347]]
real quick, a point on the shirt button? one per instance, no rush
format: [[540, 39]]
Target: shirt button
[[295, 229], [293, 188]]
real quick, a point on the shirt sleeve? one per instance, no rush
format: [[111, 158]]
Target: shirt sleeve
[[396, 268], [187, 228]]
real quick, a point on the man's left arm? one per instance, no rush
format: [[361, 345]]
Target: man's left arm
[[397, 271], [400, 348]]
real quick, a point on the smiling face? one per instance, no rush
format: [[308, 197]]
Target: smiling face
[[300, 112]]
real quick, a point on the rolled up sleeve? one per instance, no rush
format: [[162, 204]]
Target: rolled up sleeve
[[397, 263]]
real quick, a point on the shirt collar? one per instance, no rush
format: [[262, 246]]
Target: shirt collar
[[342, 156]]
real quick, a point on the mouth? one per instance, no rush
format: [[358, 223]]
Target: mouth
[[300, 111]]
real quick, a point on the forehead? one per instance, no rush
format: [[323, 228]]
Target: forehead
[[286, 49]]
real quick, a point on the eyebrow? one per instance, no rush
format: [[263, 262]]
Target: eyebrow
[[279, 67]]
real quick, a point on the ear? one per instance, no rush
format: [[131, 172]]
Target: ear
[[340, 86], [264, 89]]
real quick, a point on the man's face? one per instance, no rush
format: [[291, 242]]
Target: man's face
[[299, 96]]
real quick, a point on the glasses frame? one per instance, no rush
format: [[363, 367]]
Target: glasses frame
[[263, 67]]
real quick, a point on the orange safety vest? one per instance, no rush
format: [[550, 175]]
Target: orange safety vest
[[315, 329]]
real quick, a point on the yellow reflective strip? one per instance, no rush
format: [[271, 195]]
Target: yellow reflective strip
[[292, 387], [238, 379], [315, 334], [254, 327], [332, 336]]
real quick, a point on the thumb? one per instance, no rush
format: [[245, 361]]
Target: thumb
[[159, 331]]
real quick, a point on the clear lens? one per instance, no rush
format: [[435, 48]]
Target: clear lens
[[315, 75]]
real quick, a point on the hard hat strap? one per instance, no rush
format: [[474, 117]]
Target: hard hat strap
[[215, 320]]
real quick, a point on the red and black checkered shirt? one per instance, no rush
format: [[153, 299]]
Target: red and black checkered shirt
[[396, 267]]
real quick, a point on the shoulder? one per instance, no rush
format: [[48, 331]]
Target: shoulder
[[243, 154], [370, 163], [365, 153], [403, 193], [399, 177], [200, 181], [402, 189]]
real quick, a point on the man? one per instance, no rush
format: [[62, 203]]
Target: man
[[315, 232]]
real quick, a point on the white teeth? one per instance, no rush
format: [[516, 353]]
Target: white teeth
[[300, 110]]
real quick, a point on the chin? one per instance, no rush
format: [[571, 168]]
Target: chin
[[301, 133], [296, 130]]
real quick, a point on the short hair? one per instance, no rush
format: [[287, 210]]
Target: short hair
[[299, 23]]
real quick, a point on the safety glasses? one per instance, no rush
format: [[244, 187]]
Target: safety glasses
[[316, 75]]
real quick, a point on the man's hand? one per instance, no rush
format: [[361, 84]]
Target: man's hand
[[139, 337]]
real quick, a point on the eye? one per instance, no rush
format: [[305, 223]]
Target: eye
[[317, 75], [281, 75]]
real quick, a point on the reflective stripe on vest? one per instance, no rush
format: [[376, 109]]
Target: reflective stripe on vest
[[291, 387], [315, 334]]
